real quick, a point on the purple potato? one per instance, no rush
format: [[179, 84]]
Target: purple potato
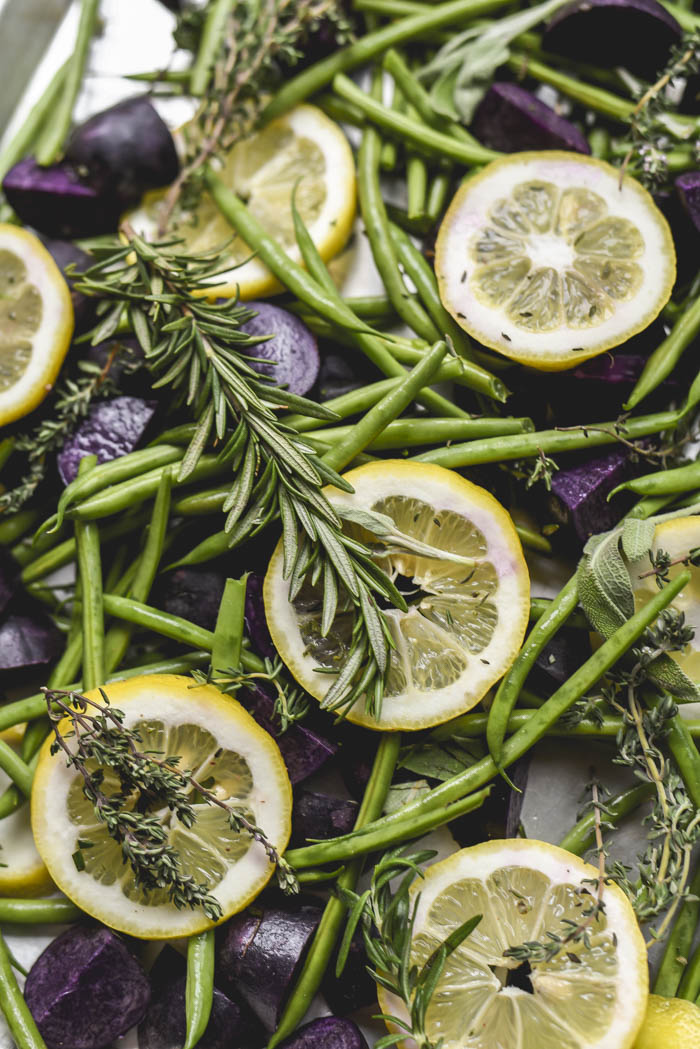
[[579, 494], [354, 988], [192, 593], [321, 816], [304, 752], [688, 189], [164, 1025], [636, 34], [328, 1032], [496, 816], [28, 641], [255, 619], [259, 954], [66, 254], [57, 202], [510, 118], [559, 660], [86, 989], [355, 758], [126, 150], [113, 428], [290, 358], [339, 376], [9, 574], [612, 368], [114, 354]]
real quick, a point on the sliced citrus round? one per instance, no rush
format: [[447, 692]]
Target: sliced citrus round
[[670, 1023], [303, 152], [553, 257], [227, 752], [591, 995], [36, 322], [22, 870], [677, 538], [465, 580]]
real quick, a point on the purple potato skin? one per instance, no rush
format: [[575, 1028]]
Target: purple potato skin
[[688, 189], [164, 1025], [354, 988], [113, 428], [559, 660], [57, 202], [28, 641], [328, 1032], [636, 34], [579, 494], [510, 118], [126, 149], [66, 254], [193, 594], [321, 816], [259, 954], [86, 989], [304, 752], [255, 619], [291, 357]]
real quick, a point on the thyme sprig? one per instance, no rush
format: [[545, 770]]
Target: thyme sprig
[[662, 563], [291, 703], [387, 916], [95, 740], [196, 347]]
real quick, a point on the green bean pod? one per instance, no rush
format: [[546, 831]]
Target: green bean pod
[[64, 553], [87, 541], [53, 911], [582, 836], [663, 482], [15, 1010], [679, 943], [199, 989]]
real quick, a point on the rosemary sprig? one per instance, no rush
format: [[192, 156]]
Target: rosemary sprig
[[94, 738], [387, 916], [195, 346]]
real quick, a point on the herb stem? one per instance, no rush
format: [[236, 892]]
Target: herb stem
[[581, 836], [16, 1011]]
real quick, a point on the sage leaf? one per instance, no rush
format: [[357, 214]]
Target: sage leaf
[[637, 537]]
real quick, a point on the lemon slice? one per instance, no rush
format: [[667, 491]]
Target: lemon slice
[[36, 322], [241, 763], [588, 997], [303, 149], [467, 590], [670, 1023], [22, 870], [551, 258], [677, 537]]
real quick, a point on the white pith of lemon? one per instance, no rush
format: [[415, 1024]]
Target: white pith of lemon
[[225, 747], [22, 870], [305, 153], [551, 258], [36, 322], [463, 632], [585, 998], [670, 1023]]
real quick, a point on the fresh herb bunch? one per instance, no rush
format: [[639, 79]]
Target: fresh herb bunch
[[291, 703], [196, 348], [93, 737], [387, 916]]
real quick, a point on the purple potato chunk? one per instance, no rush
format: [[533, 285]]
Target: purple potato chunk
[[86, 989], [164, 1025], [321, 816], [57, 202], [304, 751], [126, 149], [66, 254], [559, 660], [510, 118], [290, 358], [259, 954], [28, 641], [612, 368], [192, 593], [354, 988], [579, 494], [113, 428], [636, 34], [688, 189], [255, 619], [328, 1032]]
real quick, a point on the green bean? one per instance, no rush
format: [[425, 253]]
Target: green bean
[[599, 141], [649, 505], [323, 943], [228, 635], [116, 568], [580, 838], [22, 1025], [376, 308], [199, 991], [595, 98], [537, 724], [685, 753], [390, 150], [25, 137], [210, 42], [551, 442], [437, 193], [17, 525], [663, 482], [416, 178], [679, 942], [410, 433], [170, 626], [34, 735], [13, 766], [7, 446], [304, 287], [52, 911], [339, 110], [507, 695], [87, 543], [315, 877], [51, 145], [665, 357], [385, 411], [209, 549], [347, 404], [456, 12], [688, 20], [533, 540], [689, 987], [420, 99], [119, 636], [605, 727], [541, 605], [419, 135]]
